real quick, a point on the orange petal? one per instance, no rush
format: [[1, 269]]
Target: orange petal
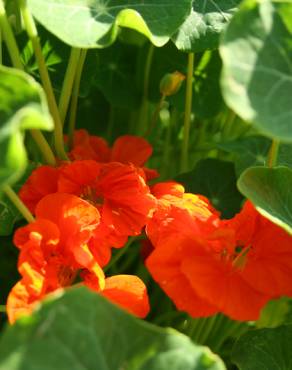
[[41, 182], [129, 292], [18, 303], [131, 149]]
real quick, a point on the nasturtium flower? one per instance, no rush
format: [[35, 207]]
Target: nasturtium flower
[[55, 249], [117, 190], [127, 149], [230, 266]]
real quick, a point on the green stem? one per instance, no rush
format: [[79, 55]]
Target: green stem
[[75, 95], [143, 114], [18, 203], [9, 38], [155, 116], [188, 111], [208, 328], [119, 254], [2, 308], [44, 147], [68, 83], [44, 74], [273, 153], [1, 40], [14, 54]]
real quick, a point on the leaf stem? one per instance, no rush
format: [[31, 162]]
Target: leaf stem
[[14, 54], [9, 38], [75, 95], [33, 36], [119, 254], [188, 111], [18, 203], [44, 147], [273, 153], [68, 83], [143, 114]]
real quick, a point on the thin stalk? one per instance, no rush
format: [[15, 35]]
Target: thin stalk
[[9, 38], [167, 143], [144, 104], [273, 153], [18, 203], [68, 83], [14, 54], [208, 328], [155, 115], [44, 74], [44, 147], [188, 111], [75, 95]]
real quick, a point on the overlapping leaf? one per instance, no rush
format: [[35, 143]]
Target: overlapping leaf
[[269, 189], [95, 23], [267, 349], [22, 106], [257, 66], [202, 28], [81, 330]]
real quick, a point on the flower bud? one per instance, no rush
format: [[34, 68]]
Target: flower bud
[[171, 83]]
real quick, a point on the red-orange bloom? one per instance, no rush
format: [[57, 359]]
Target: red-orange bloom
[[235, 266], [126, 149], [55, 248]]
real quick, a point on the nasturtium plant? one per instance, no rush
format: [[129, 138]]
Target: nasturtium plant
[[145, 184]]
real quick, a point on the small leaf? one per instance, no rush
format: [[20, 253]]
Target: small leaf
[[269, 189], [268, 349], [216, 180], [95, 23], [201, 30], [257, 66], [82, 330], [22, 106]]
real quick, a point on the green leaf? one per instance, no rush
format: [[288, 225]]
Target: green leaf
[[95, 23], [114, 75], [253, 151], [269, 189], [275, 313], [22, 106], [268, 349], [202, 28], [216, 180], [257, 66], [82, 330]]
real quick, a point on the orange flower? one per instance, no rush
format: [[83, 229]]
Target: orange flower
[[173, 200], [55, 248], [119, 192], [126, 149], [233, 266]]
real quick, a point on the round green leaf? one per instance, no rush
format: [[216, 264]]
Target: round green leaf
[[92, 24], [201, 30], [257, 66], [269, 189], [22, 106], [268, 349], [81, 330]]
